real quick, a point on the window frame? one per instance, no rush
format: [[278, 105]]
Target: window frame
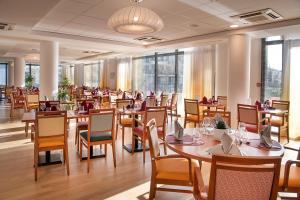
[[265, 44], [6, 72], [176, 53]]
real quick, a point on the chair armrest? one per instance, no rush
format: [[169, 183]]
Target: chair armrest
[[287, 168]]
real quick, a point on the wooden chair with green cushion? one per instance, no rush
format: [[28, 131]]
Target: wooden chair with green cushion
[[100, 131], [168, 169], [290, 174], [172, 106]]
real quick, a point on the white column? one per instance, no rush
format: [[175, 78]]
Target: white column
[[49, 55], [221, 69], [10, 69], [239, 74], [19, 72]]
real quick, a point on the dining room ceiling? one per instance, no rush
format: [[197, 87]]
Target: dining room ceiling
[[85, 21]]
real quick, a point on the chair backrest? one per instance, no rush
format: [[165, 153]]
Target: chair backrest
[[103, 121], [157, 113], [281, 105], [113, 98], [226, 115], [244, 178], [50, 124], [174, 99], [8, 91], [32, 98], [164, 100], [191, 107], [222, 100], [123, 102], [153, 139], [247, 114], [43, 105], [150, 101]]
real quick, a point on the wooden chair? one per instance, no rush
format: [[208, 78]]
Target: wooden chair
[[237, 178], [164, 100], [50, 134], [168, 169], [32, 102], [123, 120], [157, 113], [192, 112], [112, 98], [225, 115], [222, 103], [150, 101], [100, 131], [17, 102], [81, 123], [248, 114], [8, 92], [290, 174], [172, 105], [281, 120]]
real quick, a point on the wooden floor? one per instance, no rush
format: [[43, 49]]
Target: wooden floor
[[130, 180]]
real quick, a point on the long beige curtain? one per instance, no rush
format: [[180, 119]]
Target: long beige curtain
[[124, 74], [199, 72]]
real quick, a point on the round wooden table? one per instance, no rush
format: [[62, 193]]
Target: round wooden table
[[199, 151]]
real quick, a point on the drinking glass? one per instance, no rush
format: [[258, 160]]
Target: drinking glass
[[206, 124]]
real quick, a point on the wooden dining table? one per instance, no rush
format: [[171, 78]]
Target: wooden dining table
[[199, 151]]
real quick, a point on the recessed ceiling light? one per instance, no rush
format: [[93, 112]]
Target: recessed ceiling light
[[234, 26]]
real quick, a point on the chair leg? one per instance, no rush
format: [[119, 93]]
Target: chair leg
[[88, 159], [171, 115], [67, 159], [184, 123], [176, 114], [114, 153], [117, 128], [165, 148], [123, 127], [144, 150], [133, 143], [64, 152], [80, 149], [36, 160], [26, 128], [152, 188], [105, 150]]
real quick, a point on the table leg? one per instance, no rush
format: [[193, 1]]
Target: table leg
[[100, 155], [49, 159]]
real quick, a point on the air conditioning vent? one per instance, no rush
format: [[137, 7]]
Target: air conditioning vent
[[259, 16], [6, 26], [148, 39]]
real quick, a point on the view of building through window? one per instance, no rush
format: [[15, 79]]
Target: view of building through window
[[273, 80], [34, 71], [3, 73], [92, 74]]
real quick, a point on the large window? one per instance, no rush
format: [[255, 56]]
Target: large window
[[92, 74], [34, 71], [66, 71], [272, 68], [3, 74], [159, 73]]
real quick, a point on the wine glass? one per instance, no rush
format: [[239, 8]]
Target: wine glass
[[206, 123]]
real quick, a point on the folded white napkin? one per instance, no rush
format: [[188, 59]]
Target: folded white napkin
[[227, 146], [265, 137]]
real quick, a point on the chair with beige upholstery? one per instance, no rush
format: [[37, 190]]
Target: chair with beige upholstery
[[32, 102], [164, 100], [236, 178], [150, 101], [281, 121], [100, 131], [157, 113], [50, 134], [192, 112], [124, 120], [168, 169], [8, 92], [172, 105], [17, 102], [290, 174], [212, 114], [248, 114], [222, 103]]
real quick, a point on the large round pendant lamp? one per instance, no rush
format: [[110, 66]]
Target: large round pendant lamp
[[135, 19]]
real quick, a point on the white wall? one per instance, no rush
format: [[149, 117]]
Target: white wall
[[255, 69], [221, 69]]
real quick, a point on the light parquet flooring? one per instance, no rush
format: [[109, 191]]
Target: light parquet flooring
[[129, 181]]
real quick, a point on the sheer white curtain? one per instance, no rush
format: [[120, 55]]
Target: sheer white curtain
[[291, 84], [198, 75], [124, 74]]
